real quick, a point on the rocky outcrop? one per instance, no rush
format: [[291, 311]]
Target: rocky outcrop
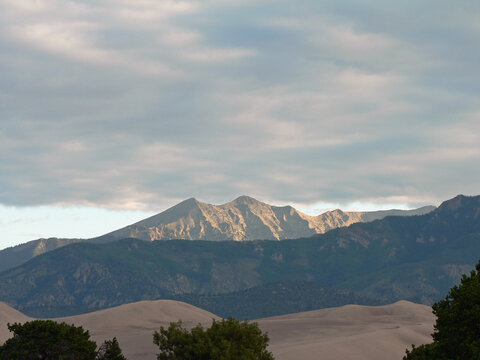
[[242, 219]]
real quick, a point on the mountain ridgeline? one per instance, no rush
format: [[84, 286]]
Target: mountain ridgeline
[[415, 258], [17, 255], [242, 219]]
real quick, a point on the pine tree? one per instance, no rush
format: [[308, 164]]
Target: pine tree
[[110, 350], [457, 329]]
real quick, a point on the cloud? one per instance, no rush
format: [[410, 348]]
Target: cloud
[[63, 38], [139, 104], [217, 55]]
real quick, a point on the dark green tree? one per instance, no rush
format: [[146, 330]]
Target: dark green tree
[[110, 350], [45, 340], [227, 339], [457, 329]]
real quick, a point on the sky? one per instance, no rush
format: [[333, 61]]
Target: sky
[[114, 110]]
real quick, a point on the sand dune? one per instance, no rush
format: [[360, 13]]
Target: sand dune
[[9, 315], [133, 324], [348, 332]]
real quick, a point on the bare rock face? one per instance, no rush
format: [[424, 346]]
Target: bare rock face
[[243, 219]]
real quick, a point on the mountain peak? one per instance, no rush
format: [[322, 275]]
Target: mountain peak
[[191, 200], [245, 199], [457, 202], [184, 205]]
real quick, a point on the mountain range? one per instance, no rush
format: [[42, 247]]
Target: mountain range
[[415, 258], [242, 219]]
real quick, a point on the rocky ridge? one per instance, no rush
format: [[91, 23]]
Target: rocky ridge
[[242, 219]]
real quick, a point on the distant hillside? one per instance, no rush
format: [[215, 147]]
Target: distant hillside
[[16, 255], [244, 218], [417, 258]]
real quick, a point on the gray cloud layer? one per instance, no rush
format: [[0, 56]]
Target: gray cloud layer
[[131, 104]]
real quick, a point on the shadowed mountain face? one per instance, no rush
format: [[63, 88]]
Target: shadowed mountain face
[[17, 255], [245, 218], [417, 258]]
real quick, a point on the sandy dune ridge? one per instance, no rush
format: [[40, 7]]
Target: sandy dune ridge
[[347, 332], [350, 332]]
